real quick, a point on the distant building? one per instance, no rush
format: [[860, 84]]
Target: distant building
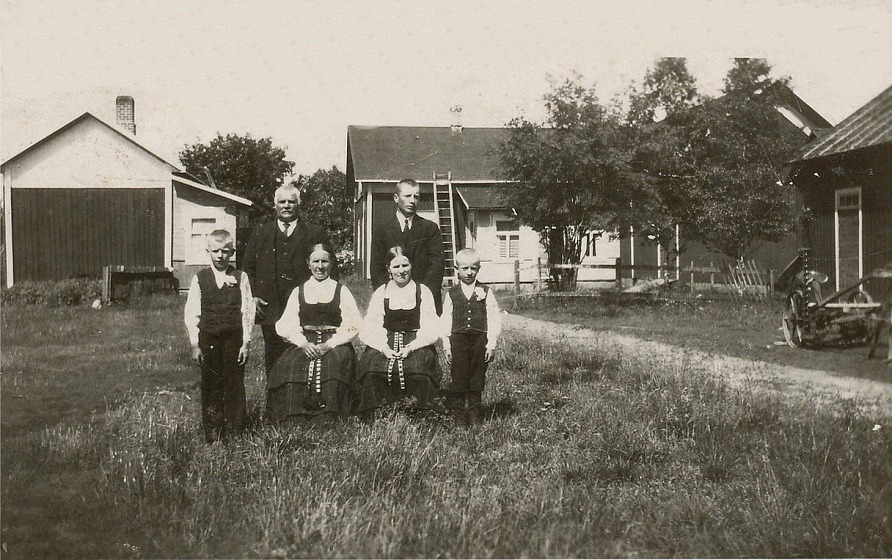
[[90, 195], [795, 114], [461, 190], [846, 181]]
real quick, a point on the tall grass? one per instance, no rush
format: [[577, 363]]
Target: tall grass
[[581, 456]]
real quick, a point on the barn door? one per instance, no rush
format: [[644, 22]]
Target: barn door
[[848, 237]]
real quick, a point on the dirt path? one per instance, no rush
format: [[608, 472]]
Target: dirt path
[[872, 396]]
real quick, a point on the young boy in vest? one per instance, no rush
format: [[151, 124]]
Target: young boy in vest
[[219, 317], [471, 330]]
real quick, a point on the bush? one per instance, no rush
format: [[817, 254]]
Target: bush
[[74, 291]]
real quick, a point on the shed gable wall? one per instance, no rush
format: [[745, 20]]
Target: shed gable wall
[[87, 155]]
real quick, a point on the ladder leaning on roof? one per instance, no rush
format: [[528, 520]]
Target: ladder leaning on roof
[[446, 220]]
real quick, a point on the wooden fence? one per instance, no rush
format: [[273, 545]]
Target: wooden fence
[[746, 278]]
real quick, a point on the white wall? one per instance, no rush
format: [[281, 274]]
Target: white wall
[[87, 155]]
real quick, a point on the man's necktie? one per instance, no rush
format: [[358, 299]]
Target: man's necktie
[[407, 226], [286, 225]]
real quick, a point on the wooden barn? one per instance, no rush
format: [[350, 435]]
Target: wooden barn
[[794, 113], [90, 195], [846, 182]]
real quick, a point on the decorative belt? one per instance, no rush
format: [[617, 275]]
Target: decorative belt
[[314, 370], [397, 346]]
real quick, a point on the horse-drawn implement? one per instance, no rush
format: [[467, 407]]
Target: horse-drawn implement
[[851, 313]]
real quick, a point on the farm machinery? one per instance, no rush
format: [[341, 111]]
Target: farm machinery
[[850, 313]]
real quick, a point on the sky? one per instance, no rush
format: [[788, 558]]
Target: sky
[[300, 72]]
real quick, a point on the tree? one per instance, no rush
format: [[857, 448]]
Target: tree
[[327, 201], [719, 164], [242, 165], [655, 113], [668, 89], [570, 174]]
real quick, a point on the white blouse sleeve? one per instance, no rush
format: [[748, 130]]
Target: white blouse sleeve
[[351, 320], [192, 311], [446, 319], [288, 326], [430, 329], [372, 333], [493, 321], [249, 309]]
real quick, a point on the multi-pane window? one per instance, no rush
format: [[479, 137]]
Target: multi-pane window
[[508, 234], [848, 199]]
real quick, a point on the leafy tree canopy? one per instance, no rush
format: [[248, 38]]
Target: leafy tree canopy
[[327, 201], [249, 167], [668, 89], [570, 173], [719, 164]]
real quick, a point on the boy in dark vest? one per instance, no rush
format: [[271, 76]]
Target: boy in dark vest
[[472, 324], [219, 317]]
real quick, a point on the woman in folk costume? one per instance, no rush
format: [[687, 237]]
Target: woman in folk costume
[[313, 377], [399, 330]]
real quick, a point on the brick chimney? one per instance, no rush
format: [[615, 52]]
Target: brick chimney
[[124, 115], [456, 118]]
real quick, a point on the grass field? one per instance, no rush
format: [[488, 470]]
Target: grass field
[[581, 456], [741, 328]]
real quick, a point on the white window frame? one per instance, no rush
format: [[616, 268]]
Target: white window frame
[[505, 238], [837, 195], [199, 228]]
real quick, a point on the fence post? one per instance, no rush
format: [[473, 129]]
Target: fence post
[[516, 280], [106, 285], [770, 280], [538, 274], [692, 277], [711, 276], [619, 274]]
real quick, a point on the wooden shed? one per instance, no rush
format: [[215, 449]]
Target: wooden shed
[[89, 195], [846, 181]]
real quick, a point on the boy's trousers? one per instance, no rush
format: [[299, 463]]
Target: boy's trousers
[[468, 362], [223, 402]]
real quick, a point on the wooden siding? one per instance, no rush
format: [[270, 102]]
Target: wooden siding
[[61, 233], [877, 210]]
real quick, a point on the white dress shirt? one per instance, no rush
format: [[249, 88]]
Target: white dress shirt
[[402, 220], [493, 315], [192, 311]]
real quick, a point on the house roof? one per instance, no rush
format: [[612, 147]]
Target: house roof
[[482, 198], [871, 125], [391, 153], [177, 175]]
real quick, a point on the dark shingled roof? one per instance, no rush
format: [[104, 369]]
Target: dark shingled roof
[[871, 125], [390, 153], [482, 197]]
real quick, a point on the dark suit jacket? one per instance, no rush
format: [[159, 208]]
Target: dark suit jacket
[[423, 246], [260, 265]]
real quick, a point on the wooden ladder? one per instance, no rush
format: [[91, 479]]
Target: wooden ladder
[[443, 203]]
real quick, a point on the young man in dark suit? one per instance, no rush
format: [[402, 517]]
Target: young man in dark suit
[[276, 262], [420, 239]]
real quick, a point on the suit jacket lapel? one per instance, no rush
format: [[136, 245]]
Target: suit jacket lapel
[[296, 241]]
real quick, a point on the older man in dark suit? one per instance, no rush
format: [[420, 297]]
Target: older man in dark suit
[[276, 262], [420, 239]]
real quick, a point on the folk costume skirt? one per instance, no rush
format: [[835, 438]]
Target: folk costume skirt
[[414, 381], [299, 388]]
